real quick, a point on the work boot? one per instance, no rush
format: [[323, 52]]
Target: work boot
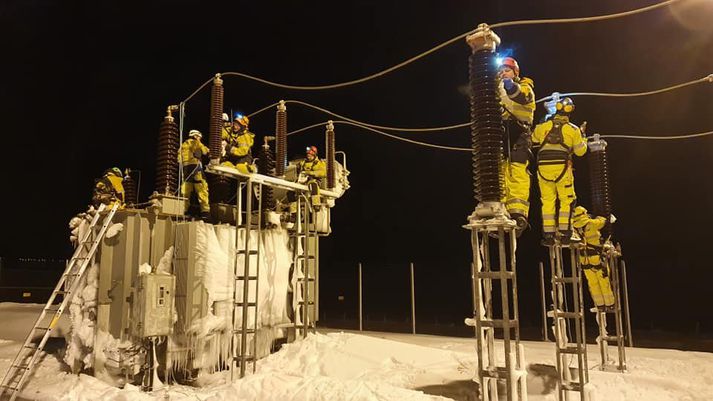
[[548, 239], [205, 216], [606, 308], [565, 237], [520, 224]]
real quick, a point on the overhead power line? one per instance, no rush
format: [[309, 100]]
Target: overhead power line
[[708, 79], [436, 48], [657, 138]]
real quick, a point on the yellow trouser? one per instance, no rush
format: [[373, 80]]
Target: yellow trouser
[[197, 182], [242, 167], [517, 188], [551, 192], [599, 286]]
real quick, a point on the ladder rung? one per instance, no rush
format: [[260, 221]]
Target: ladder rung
[[614, 338], [498, 323], [51, 309], [249, 304], [569, 315], [568, 280], [308, 303], [243, 278], [495, 275], [572, 386], [30, 346], [7, 386], [571, 350], [305, 256], [246, 331], [42, 328], [70, 274], [250, 252], [62, 292], [23, 367], [497, 373], [247, 358]]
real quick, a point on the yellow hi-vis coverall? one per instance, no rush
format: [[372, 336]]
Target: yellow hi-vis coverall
[[518, 114], [558, 140], [190, 155], [109, 190], [238, 150], [596, 272]]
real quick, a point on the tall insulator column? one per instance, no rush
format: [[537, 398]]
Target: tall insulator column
[[266, 166], [599, 179], [130, 194], [281, 134], [487, 129], [167, 159], [216, 119], [331, 177]]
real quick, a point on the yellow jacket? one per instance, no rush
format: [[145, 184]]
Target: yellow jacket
[[108, 189], [239, 145], [191, 152], [558, 139], [589, 228], [521, 104], [315, 168]]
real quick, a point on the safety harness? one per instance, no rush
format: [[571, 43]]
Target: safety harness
[[549, 156]]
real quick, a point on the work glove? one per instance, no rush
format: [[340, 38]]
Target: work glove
[[510, 86], [197, 154], [612, 219]]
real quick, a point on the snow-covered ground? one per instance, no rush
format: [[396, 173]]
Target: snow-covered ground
[[375, 366]]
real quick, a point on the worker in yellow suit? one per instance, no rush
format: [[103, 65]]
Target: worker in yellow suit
[[597, 273], [558, 140], [109, 189], [238, 145], [312, 171], [517, 96], [190, 155]]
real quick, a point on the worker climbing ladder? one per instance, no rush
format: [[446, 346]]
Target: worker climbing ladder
[[483, 276], [305, 242], [612, 257], [564, 281], [246, 274], [22, 366]]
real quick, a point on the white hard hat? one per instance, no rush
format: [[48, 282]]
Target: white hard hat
[[225, 117], [195, 133]]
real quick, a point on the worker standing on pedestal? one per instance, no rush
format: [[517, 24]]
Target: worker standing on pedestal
[[190, 156]]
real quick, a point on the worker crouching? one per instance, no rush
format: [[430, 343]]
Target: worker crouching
[[238, 141], [109, 189], [597, 273]]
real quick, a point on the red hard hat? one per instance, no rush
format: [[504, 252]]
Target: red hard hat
[[512, 64]]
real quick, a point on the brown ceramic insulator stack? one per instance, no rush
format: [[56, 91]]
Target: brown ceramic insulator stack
[[331, 177], [599, 181], [130, 195], [167, 159], [281, 134], [266, 166], [216, 119]]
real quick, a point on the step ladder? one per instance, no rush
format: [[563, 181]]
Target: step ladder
[[611, 259], [244, 336], [305, 247], [513, 374], [564, 281], [22, 366]]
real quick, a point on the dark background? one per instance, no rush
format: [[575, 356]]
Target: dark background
[[85, 85]]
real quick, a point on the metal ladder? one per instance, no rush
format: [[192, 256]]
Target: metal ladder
[[242, 333], [611, 258], [305, 267], [565, 348], [25, 360], [485, 324]]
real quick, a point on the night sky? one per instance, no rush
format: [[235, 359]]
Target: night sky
[[86, 84]]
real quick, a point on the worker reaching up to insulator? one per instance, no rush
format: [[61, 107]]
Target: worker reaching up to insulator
[[597, 273], [190, 156], [517, 97], [558, 140], [109, 189], [238, 145]]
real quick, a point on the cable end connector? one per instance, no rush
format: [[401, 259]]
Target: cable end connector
[[218, 80], [281, 106], [330, 125], [483, 38]]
